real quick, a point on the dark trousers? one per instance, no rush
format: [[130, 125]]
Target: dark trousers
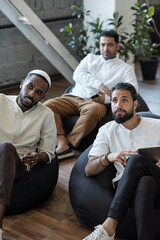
[[11, 168], [141, 183]]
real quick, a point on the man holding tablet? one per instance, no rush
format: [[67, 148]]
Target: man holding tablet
[[137, 177]]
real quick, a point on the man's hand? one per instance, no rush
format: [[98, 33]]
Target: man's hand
[[102, 88], [121, 156], [31, 158], [99, 99]]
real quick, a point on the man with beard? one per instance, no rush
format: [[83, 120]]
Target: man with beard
[[94, 77], [28, 133], [137, 178]]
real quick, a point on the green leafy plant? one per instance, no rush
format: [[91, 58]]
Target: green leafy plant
[[142, 29], [138, 42], [126, 42], [80, 35], [77, 34]]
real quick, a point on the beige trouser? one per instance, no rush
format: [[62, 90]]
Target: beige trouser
[[67, 105]]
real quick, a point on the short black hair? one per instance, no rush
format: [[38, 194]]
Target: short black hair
[[126, 86], [110, 33]]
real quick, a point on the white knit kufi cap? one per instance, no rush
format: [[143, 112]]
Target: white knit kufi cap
[[43, 74]]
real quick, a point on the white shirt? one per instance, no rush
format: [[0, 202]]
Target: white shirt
[[27, 131], [114, 137], [94, 70]]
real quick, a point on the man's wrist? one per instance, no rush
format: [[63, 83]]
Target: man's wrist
[[106, 158], [103, 160]]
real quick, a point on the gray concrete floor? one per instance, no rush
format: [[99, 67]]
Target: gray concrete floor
[[149, 89]]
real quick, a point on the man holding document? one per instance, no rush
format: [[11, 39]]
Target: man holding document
[[137, 176]]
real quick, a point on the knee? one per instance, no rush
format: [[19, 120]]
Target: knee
[[149, 183], [147, 189], [6, 151], [6, 146], [136, 162], [50, 104]]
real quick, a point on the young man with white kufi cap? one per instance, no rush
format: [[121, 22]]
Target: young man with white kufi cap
[[28, 134], [42, 74]]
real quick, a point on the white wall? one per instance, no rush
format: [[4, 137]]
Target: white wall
[[100, 8], [105, 9], [123, 7]]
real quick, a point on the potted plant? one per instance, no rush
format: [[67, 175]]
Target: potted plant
[[144, 48], [79, 35], [138, 42]]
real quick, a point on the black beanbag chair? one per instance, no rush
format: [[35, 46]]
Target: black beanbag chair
[[69, 122], [91, 201], [34, 188]]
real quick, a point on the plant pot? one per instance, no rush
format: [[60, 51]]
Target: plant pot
[[149, 68]]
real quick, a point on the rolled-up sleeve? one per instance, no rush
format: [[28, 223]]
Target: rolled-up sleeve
[[101, 143]]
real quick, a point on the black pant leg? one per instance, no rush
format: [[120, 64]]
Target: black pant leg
[[144, 206], [136, 168]]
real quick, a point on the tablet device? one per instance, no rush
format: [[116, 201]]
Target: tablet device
[[152, 152]]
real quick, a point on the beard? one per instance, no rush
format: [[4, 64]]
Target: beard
[[108, 55], [121, 119], [21, 97]]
